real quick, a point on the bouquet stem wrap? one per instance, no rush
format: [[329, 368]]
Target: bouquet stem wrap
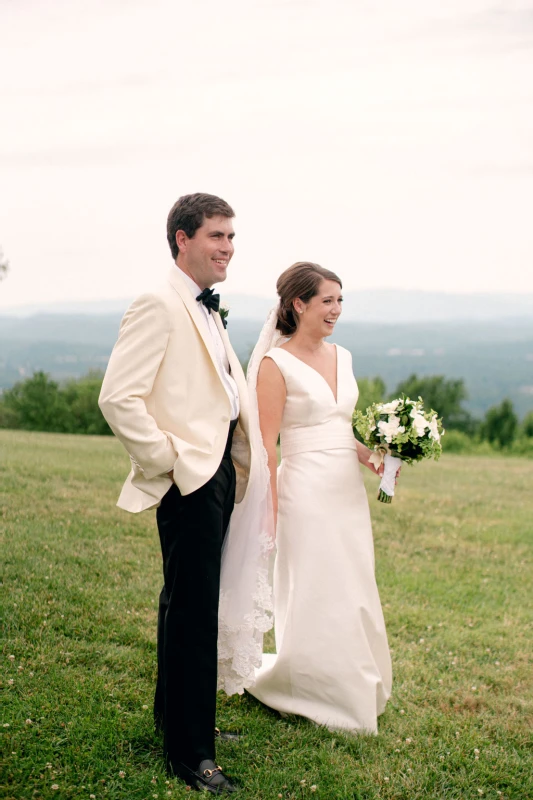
[[386, 487]]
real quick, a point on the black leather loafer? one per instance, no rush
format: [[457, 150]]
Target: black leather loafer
[[207, 778]]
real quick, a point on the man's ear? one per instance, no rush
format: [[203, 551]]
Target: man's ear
[[181, 240]]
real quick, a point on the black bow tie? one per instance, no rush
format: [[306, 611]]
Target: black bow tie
[[210, 300]]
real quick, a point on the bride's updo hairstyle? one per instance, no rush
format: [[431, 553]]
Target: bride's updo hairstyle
[[302, 281]]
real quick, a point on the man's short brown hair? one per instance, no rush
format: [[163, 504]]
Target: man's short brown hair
[[188, 214]]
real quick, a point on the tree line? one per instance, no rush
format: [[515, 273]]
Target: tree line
[[40, 403]]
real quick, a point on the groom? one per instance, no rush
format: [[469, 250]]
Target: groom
[[174, 394]]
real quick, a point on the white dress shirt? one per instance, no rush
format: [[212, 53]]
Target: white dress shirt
[[222, 363]]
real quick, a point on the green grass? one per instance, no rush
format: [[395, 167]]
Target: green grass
[[79, 594]]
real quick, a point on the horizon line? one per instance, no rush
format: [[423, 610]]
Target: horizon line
[[120, 298]]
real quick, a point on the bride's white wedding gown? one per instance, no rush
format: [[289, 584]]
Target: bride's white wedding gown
[[332, 664]]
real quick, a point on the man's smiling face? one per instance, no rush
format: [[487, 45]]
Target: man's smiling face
[[205, 256]]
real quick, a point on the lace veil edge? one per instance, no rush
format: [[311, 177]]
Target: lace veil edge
[[246, 605]]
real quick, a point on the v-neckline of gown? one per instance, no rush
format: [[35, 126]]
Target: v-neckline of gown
[[335, 399]]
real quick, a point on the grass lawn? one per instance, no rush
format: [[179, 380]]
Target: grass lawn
[[80, 590]]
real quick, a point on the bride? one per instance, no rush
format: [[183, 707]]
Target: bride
[[332, 663]]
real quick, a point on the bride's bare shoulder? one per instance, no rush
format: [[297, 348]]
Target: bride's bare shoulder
[[269, 363], [270, 378]]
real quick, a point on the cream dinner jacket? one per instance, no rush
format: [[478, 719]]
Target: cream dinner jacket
[[165, 401]]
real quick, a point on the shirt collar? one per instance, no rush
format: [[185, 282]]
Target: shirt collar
[[191, 285]]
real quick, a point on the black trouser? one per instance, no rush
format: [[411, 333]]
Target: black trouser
[[192, 530]]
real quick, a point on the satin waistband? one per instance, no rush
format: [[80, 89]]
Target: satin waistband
[[307, 439]]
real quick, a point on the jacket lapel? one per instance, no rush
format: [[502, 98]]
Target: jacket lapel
[[190, 303], [236, 370]]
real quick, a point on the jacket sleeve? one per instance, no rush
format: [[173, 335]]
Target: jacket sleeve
[[129, 378]]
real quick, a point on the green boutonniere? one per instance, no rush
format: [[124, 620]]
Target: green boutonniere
[[224, 312]]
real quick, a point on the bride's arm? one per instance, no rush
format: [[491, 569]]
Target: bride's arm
[[271, 397]]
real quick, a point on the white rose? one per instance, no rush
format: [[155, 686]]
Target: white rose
[[419, 424], [389, 408], [434, 429], [391, 428]]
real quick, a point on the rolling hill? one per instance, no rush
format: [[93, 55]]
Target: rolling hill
[[495, 358]]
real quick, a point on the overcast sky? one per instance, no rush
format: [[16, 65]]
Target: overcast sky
[[389, 141]]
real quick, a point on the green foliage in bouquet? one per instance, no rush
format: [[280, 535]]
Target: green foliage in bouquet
[[402, 428]]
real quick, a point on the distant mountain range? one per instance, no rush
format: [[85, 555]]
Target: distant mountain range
[[494, 357], [386, 306]]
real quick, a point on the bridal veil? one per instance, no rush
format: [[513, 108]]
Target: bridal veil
[[246, 607]]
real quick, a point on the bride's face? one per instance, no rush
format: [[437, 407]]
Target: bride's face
[[319, 316]]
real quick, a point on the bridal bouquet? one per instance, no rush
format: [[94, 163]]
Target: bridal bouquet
[[398, 431]]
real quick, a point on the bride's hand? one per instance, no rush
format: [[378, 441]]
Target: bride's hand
[[366, 461], [364, 453]]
